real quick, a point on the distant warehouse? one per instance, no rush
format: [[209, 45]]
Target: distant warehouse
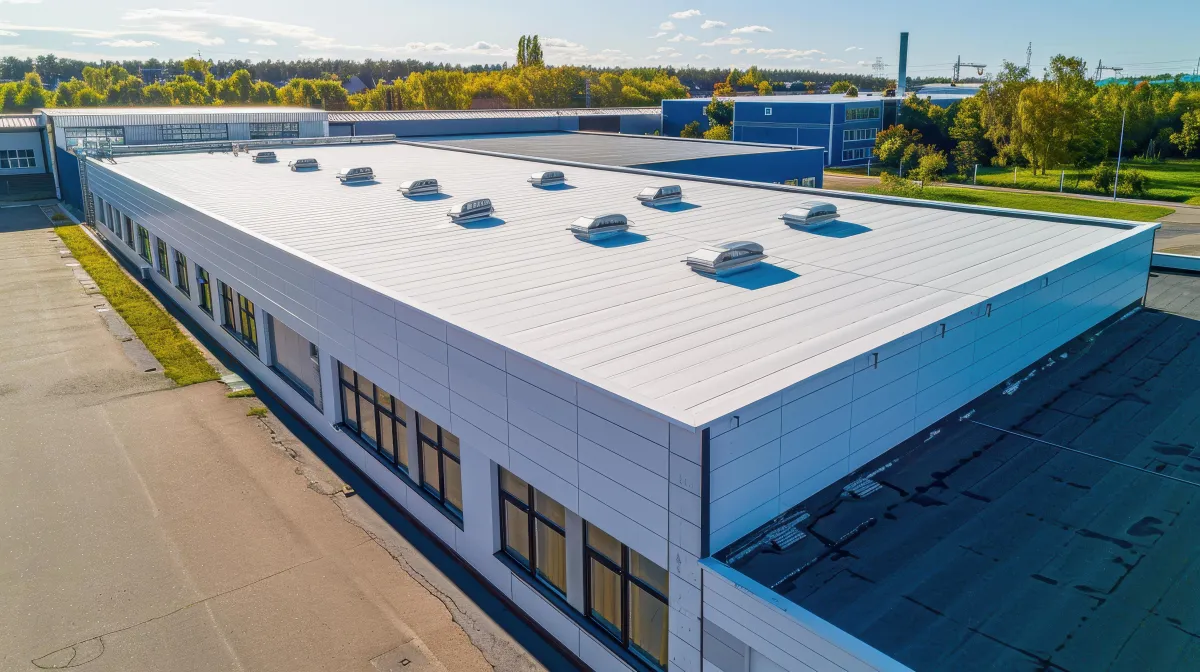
[[591, 381], [412, 123]]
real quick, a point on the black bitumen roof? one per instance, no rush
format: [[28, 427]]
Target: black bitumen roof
[[992, 546]]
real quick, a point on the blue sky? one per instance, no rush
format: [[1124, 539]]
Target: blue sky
[[833, 36]]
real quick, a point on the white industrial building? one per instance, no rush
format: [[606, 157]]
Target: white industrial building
[[586, 423]]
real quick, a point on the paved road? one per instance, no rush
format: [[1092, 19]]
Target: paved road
[[149, 527]]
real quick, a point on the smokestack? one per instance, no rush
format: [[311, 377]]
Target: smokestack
[[900, 79]]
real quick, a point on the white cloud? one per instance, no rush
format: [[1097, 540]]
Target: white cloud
[[854, 48], [244, 40], [9, 33], [559, 43], [686, 14], [712, 24], [864, 63], [665, 50], [725, 41], [777, 53], [251, 52], [194, 25], [658, 35], [483, 46], [427, 47], [832, 60], [20, 2], [702, 57], [666, 25], [750, 29], [265, 42], [680, 37], [122, 44]]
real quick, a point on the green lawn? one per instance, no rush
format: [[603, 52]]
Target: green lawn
[[181, 360], [1040, 202], [1171, 180]]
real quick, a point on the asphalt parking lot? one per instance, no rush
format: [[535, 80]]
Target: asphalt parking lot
[[149, 527]]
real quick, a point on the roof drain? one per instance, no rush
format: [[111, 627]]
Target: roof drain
[[471, 211], [724, 259], [810, 213], [600, 227]]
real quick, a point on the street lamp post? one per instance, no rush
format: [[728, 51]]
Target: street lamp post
[[1120, 146]]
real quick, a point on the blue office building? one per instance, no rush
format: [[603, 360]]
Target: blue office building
[[844, 127]]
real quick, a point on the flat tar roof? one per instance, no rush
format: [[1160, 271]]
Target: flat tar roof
[[607, 149], [990, 548], [626, 315]]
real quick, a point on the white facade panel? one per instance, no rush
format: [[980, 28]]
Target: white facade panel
[[27, 145]]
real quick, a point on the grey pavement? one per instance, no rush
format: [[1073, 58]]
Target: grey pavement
[[149, 527]]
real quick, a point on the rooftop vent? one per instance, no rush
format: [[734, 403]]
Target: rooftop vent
[[420, 187], [726, 258], [657, 196], [599, 227], [360, 174], [547, 178], [809, 213], [471, 211], [264, 157], [304, 164]]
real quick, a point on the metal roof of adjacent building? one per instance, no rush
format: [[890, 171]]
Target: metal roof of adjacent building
[[607, 149], [138, 116], [8, 121], [1010, 538], [413, 115], [626, 315]]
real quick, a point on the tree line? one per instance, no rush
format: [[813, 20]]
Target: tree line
[[1063, 119]]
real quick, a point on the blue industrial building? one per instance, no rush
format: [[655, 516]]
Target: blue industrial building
[[844, 127], [417, 123]]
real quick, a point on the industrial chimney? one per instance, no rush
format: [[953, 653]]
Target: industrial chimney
[[902, 77]]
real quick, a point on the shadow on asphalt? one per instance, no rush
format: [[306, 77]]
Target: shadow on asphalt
[[475, 588]]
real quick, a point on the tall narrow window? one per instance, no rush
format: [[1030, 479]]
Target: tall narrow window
[[181, 274], [143, 242], [128, 231], [99, 203], [249, 330], [441, 473], [228, 315], [533, 527], [163, 261], [626, 594], [374, 417], [204, 288]]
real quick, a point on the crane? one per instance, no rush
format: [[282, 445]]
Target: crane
[[979, 67], [1116, 69]]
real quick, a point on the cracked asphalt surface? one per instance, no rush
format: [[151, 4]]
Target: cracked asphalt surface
[[149, 527]]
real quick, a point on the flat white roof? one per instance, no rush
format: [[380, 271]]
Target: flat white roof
[[626, 315], [134, 116]]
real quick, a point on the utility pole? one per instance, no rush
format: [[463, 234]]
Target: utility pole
[[1028, 56], [1120, 146], [959, 64], [1102, 67]]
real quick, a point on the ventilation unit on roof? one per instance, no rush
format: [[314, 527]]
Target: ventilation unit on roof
[[471, 211], [360, 174], [264, 157], [420, 187], [726, 258], [809, 213], [599, 227], [304, 164], [547, 178], [657, 196]]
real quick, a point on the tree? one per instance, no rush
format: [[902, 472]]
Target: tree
[[718, 133], [999, 109], [841, 86], [1188, 136], [810, 87], [719, 112], [690, 130], [892, 144], [722, 89], [1043, 125], [765, 88], [521, 50], [534, 53], [195, 67], [931, 166], [852, 92]]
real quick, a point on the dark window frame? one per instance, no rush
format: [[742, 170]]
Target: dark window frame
[[182, 282], [128, 228], [113, 135], [163, 258], [438, 444], [193, 132], [532, 517], [228, 314], [353, 425], [143, 242], [274, 129], [627, 578], [247, 324], [204, 287]]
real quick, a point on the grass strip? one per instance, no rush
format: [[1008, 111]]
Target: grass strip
[[181, 360], [1038, 202]]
